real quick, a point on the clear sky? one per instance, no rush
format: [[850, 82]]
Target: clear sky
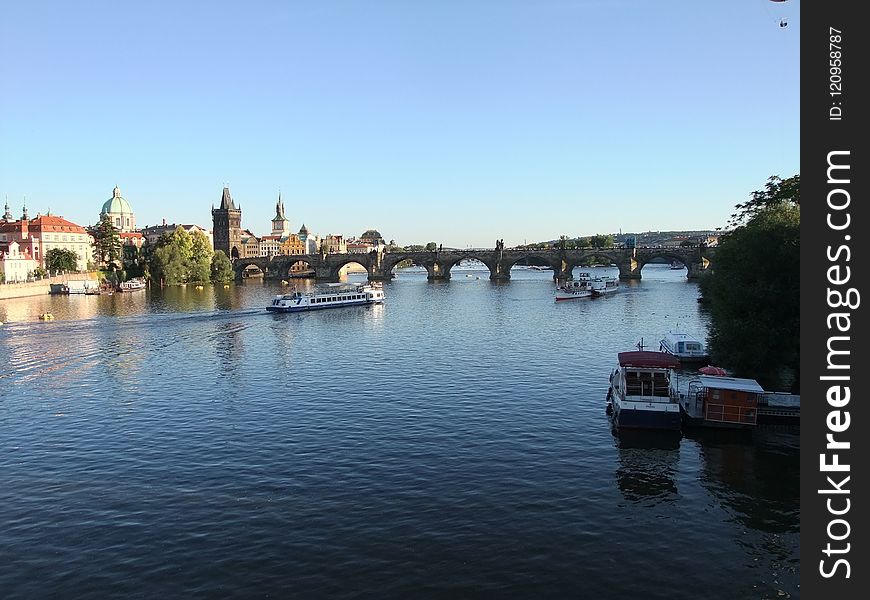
[[457, 121]]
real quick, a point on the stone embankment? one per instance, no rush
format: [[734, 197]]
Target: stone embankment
[[40, 287]]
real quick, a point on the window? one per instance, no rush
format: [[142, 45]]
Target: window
[[118, 221]]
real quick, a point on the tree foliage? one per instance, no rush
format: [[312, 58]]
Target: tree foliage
[[180, 257], [753, 294], [61, 259], [602, 241], [221, 268], [107, 244], [431, 247], [776, 192]]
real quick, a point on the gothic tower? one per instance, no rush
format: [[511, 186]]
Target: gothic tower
[[227, 226], [280, 224]]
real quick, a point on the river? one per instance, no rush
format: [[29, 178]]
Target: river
[[451, 443]]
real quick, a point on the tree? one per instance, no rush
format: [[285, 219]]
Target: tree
[[172, 257], [753, 295], [602, 241], [201, 254], [777, 191], [221, 267], [107, 244], [431, 247], [61, 259]]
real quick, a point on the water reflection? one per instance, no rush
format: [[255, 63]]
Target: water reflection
[[758, 484], [648, 462]]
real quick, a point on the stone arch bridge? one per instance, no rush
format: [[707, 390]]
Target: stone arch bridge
[[379, 265]]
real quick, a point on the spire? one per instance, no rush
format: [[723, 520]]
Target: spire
[[7, 215], [24, 216], [227, 200], [116, 193]]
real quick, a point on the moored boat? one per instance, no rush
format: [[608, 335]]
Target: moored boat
[[684, 347], [137, 283], [675, 266], [335, 296], [639, 392], [719, 401]]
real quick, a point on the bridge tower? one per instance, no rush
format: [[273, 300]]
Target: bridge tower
[[227, 226]]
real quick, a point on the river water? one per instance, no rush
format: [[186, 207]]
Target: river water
[[451, 443]]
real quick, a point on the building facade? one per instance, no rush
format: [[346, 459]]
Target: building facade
[[35, 237], [15, 264]]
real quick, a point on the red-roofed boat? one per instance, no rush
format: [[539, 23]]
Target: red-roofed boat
[[640, 392]]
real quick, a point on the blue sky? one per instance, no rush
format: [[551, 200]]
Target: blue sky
[[455, 121]]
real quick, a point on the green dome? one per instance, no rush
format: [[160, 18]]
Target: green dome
[[116, 204]]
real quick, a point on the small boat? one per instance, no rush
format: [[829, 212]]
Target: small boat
[[46, 317], [135, 284], [675, 266], [341, 294], [604, 285], [539, 268], [573, 290], [686, 348], [640, 392]]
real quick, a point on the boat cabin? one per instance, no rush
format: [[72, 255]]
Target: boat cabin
[[724, 400], [645, 374]]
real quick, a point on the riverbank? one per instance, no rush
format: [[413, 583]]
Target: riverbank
[[41, 287]]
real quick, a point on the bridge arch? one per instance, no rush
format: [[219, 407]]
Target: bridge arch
[[447, 264], [338, 262]]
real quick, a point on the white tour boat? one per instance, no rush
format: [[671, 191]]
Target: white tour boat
[[338, 294], [684, 347], [578, 288], [604, 285], [137, 283], [640, 392]]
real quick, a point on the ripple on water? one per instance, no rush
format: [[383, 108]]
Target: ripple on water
[[450, 443]]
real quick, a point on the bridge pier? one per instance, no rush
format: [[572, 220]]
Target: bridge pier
[[698, 270], [435, 272], [325, 273], [629, 269]]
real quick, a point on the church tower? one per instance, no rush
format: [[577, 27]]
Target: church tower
[[227, 226], [280, 224]]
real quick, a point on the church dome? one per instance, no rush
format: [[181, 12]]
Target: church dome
[[372, 235], [116, 204]]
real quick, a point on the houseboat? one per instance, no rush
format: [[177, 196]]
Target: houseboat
[[335, 296], [604, 285], [716, 401], [578, 288], [684, 347], [640, 392]]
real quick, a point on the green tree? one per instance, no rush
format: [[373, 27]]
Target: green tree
[[61, 259], [221, 267], [201, 254], [583, 243], [431, 247], [107, 244], [172, 257], [776, 192], [602, 241], [753, 296]]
